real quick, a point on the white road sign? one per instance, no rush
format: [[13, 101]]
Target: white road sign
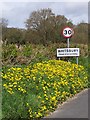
[[64, 52], [68, 32]]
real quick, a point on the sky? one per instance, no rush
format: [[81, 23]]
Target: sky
[[18, 11]]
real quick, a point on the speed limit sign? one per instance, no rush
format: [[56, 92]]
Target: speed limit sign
[[68, 32]]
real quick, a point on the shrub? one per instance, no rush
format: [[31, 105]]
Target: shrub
[[33, 91]]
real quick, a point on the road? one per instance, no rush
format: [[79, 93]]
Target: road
[[76, 107]]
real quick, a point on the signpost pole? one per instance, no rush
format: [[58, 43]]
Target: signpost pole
[[77, 60], [68, 42], [68, 46]]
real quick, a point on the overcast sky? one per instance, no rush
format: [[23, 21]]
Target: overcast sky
[[17, 12]]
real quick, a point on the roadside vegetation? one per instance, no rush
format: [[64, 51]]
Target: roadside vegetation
[[25, 54], [34, 81], [35, 90]]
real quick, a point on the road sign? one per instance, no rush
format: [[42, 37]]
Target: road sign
[[68, 32], [67, 52]]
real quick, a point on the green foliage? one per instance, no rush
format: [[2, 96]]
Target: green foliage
[[33, 91], [13, 105], [81, 34], [30, 53], [27, 50], [13, 35], [9, 51], [89, 71]]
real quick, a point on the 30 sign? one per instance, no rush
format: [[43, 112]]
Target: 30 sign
[[68, 32]]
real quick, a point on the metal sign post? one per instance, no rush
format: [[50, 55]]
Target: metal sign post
[[77, 60], [68, 42], [68, 46]]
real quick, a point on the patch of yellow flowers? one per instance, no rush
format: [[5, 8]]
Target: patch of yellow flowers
[[51, 81]]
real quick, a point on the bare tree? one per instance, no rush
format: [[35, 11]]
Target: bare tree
[[46, 25]]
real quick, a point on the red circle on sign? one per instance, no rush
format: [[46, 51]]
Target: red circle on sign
[[67, 32]]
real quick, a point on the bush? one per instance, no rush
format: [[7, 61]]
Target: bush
[[33, 91], [27, 50], [32, 52]]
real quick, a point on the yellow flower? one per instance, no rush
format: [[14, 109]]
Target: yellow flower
[[5, 76], [27, 104], [46, 98], [4, 85], [44, 107], [19, 88], [53, 98], [15, 83]]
